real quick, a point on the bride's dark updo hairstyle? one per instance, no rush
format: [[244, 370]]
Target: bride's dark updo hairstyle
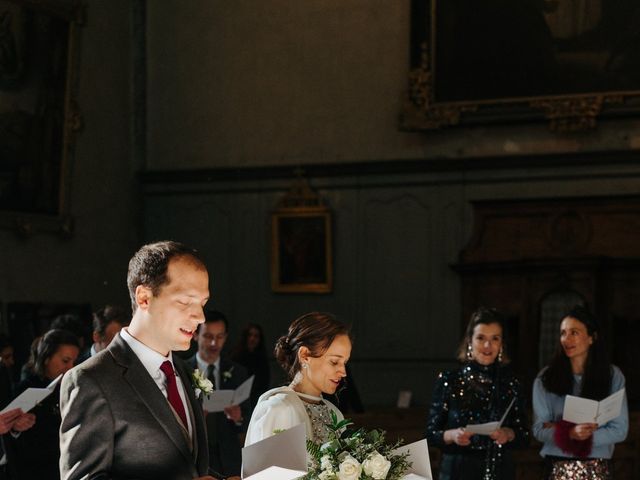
[[316, 331]]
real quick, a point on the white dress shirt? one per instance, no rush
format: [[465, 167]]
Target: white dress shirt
[[152, 361], [202, 366]]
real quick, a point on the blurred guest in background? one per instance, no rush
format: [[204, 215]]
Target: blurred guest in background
[[251, 353], [223, 428], [479, 391], [36, 451], [580, 367], [107, 321]]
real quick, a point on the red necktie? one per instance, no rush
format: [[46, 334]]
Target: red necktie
[[172, 391]]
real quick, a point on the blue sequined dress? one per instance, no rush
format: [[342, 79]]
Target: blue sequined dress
[[474, 394]]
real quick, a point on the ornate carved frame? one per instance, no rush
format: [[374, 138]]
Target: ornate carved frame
[[301, 235], [26, 223], [564, 113]]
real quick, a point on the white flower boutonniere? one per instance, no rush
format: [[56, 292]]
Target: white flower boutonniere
[[201, 384], [226, 375]]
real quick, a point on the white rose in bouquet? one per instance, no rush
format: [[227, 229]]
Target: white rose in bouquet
[[350, 469], [325, 463], [376, 466]]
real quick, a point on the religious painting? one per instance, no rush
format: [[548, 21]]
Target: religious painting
[[37, 111], [569, 61], [301, 250]]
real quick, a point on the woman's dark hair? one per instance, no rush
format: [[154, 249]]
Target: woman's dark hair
[[596, 378], [482, 316], [314, 330], [241, 348], [49, 345]]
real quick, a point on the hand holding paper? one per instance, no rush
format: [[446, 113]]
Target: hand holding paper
[[31, 397], [584, 410], [219, 399], [490, 427]]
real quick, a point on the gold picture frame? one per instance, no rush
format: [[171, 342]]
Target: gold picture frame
[[301, 250], [499, 61], [39, 114]]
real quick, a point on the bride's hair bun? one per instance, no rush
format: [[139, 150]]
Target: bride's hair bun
[[315, 330]]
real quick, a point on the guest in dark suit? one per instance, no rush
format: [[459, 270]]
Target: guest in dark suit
[[36, 452], [130, 412], [223, 427]]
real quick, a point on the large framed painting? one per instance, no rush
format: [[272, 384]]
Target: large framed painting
[[38, 112], [301, 250], [568, 62]]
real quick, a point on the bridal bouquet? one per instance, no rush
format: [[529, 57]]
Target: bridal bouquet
[[355, 455]]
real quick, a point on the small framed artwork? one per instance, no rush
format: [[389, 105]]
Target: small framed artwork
[[301, 252]]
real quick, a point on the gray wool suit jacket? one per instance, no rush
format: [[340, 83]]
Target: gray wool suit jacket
[[117, 424]]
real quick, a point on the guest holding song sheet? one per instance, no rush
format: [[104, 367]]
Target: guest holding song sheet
[[36, 452], [580, 367], [478, 392], [314, 353]]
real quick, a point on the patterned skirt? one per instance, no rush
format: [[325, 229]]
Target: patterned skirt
[[559, 468]]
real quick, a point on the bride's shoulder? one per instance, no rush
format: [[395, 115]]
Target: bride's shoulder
[[280, 396]]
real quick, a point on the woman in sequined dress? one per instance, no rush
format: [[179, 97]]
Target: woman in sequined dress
[[479, 391], [314, 353], [580, 367]]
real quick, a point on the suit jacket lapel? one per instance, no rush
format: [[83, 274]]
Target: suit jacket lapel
[[148, 393], [200, 451]]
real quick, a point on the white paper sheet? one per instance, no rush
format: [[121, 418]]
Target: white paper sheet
[[286, 449], [32, 396], [218, 400], [419, 458], [585, 410], [489, 427], [277, 473]]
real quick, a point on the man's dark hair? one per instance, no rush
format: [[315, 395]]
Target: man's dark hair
[[211, 316], [107, 314], [149, 265]]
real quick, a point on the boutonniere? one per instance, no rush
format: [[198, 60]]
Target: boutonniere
[[201, 384], [226, 375]]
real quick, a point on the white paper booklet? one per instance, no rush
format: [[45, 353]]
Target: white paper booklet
[[277, 473], [585, 410], [219, 399], [287, 450], [490, 427], [419, 458], [32, 396]]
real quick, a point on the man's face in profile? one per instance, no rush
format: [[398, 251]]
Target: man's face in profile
[[177, 308]]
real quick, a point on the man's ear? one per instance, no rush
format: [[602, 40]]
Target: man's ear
[[143, 297]]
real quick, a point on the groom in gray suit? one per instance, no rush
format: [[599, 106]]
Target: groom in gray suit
[[130, 412]]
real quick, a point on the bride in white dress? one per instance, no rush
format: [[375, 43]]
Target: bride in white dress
[[314, 353]]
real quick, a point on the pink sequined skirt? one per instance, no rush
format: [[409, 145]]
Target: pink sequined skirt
[[587, 469]]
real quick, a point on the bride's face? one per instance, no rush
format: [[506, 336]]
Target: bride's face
[[323, 374]]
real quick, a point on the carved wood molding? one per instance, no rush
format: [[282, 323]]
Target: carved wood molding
[[420, 110], [574, 114]]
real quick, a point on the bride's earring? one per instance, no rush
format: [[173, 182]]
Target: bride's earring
[[500, 356], [469, 352]]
